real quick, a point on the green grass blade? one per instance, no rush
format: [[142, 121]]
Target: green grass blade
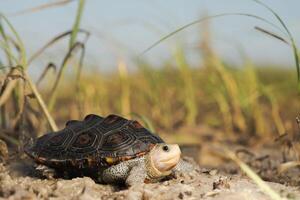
[[54, 41], [208, 18], [70, 54], [72, 46], [294, 46], [9, 53], [76, 25], [8, 49], [269, 33], [19, 41]]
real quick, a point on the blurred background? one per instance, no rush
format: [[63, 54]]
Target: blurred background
[[127, 28], [229, 79]]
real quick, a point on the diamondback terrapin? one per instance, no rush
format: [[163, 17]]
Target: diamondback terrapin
[[111, 149]]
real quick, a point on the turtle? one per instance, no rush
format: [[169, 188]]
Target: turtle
[[110, 149]]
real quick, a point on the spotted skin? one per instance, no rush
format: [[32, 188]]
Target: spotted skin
[[129, 172], [135, 171]]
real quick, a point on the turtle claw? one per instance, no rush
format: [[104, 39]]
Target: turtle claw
[[45, 171]]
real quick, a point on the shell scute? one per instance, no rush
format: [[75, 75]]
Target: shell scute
[[93, 142]]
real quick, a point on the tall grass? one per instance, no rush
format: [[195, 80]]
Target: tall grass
[[125, 89], [240, 101], [73, 46], [14, 50], [188, 88], [290, 37], [22, 64], [172, 96], [283, 29]]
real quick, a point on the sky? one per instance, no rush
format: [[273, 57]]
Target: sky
[[123, 29]]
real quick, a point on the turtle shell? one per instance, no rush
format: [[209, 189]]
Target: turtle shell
[[92, 143]]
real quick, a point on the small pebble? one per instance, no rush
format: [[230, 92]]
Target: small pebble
[[213, 172], [3, 150], [180, 196], [166, 183]]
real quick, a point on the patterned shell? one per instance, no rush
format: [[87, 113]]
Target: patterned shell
[[92, 143]]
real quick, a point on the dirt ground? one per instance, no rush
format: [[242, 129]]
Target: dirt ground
[[215, 178], [17, 183]]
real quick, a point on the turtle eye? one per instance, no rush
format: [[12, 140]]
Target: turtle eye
[[165, 148]]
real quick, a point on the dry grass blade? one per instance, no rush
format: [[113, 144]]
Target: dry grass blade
[[269, 33], [16, 76], [49, 66], [60, 73], [23, 63], [41, 7], [6, 92], [288, 165], [41, 103], [18, 44], [5, 135], [9, 84], [20, 97], [262, 184], [53, 41], [11, 77]]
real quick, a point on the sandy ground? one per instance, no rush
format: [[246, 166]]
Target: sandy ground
[[197, 184]]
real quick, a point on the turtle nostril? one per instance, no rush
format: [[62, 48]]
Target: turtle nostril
[[165, 148]]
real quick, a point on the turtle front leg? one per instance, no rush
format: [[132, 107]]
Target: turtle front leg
[[45, 171], [126, 172], [115, 174], [137, 176]]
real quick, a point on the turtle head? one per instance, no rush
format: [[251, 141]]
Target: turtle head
[[162, 159]]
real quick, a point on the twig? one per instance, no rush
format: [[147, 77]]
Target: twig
[[263, 185], [41, 103], [41, 7], [53, 41]]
